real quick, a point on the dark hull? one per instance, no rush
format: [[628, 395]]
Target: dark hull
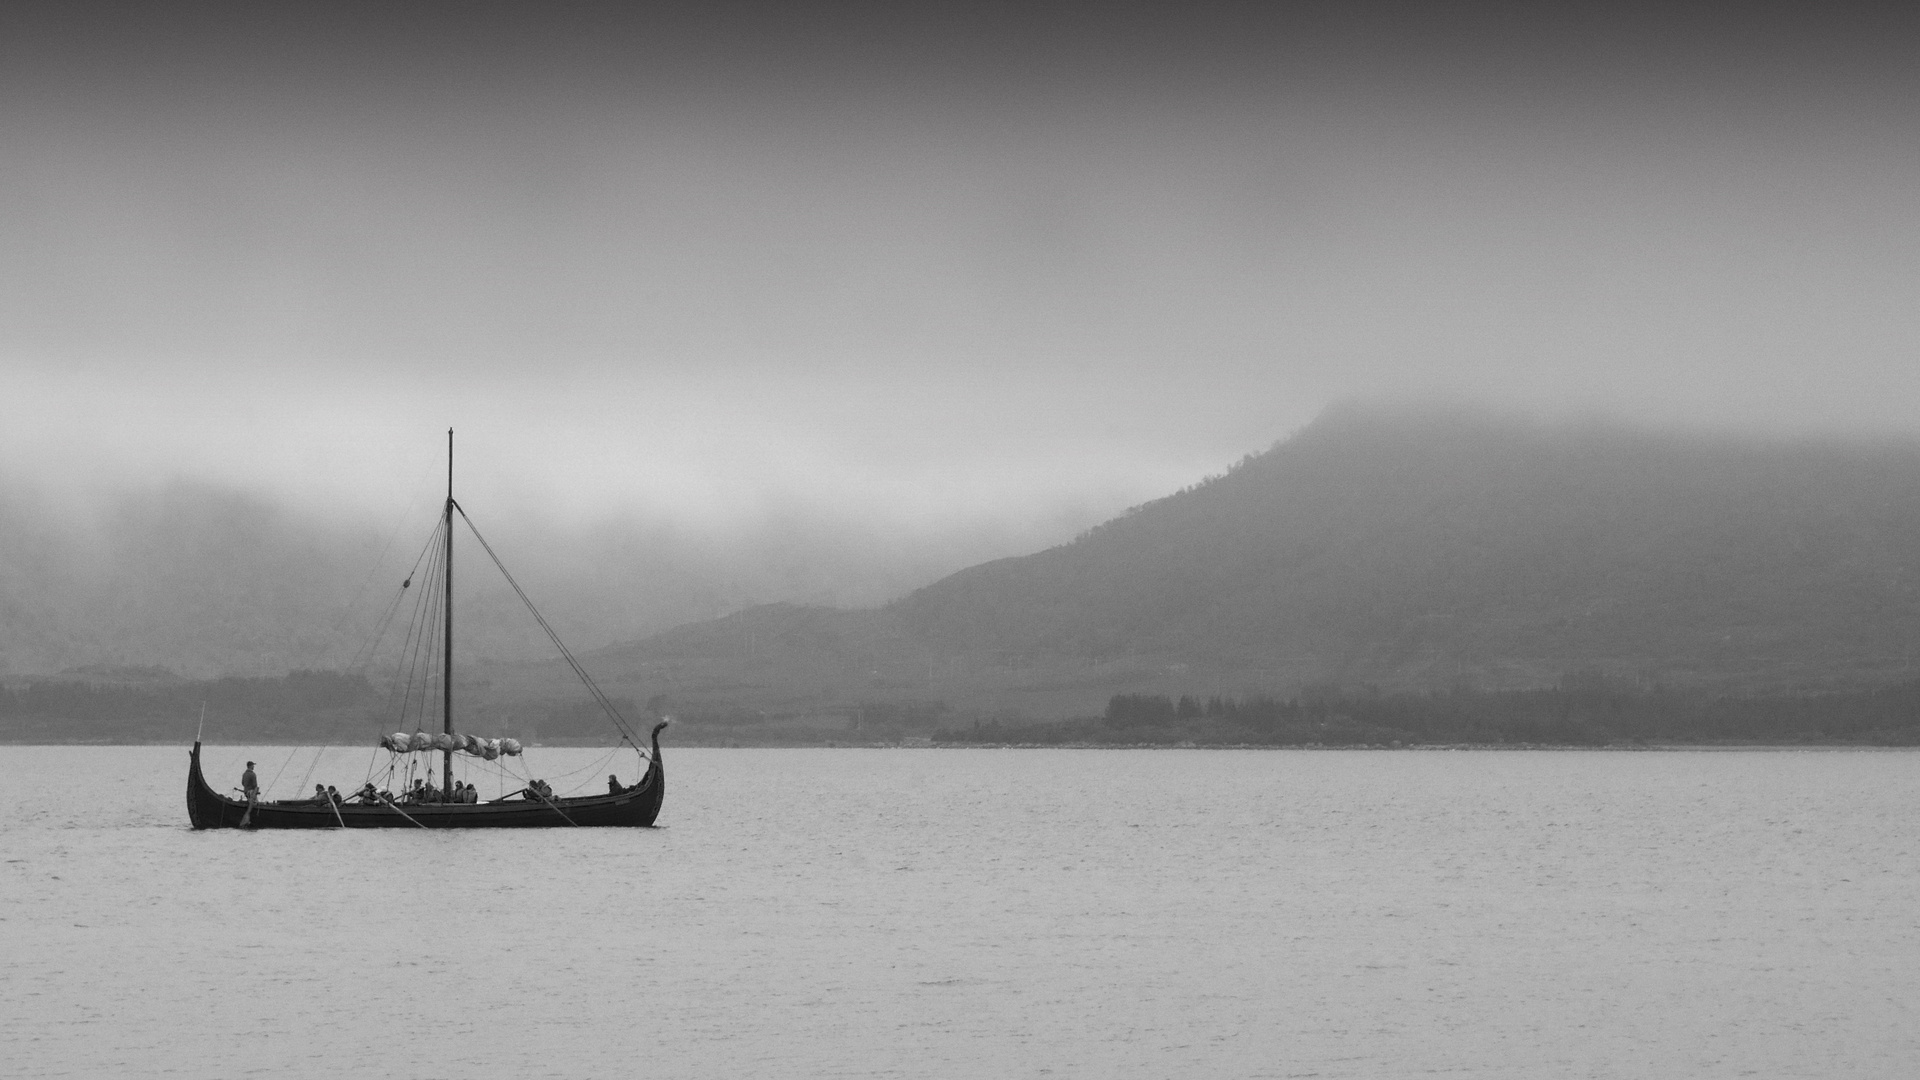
[[637, 806]]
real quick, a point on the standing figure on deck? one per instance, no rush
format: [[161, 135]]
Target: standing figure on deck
[[250, 784]]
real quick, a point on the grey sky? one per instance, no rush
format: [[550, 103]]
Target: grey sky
[[930, 266]]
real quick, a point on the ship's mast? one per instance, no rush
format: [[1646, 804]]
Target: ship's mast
[[446, 666]]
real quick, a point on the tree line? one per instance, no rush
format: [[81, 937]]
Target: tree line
[[1584, 710], [299, 707], [303, 705], [1576, 713]]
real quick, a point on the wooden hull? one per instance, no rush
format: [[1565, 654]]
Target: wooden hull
[[637, 806]]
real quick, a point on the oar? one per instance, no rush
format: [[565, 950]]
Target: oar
[[335, 807], [556, 809], [388, 803]]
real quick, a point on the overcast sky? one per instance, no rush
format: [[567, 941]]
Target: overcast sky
[[933, 266]]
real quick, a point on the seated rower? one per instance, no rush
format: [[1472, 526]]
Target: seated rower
[[613, 785], [319, 793]]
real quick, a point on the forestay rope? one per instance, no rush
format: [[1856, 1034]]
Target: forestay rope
[[600, 698], [364, 658], [418, 664]]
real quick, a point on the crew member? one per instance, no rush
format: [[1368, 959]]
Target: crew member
[[250, 784]]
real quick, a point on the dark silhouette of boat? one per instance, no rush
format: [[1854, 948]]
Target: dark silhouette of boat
[[637, 805], [533, 806]]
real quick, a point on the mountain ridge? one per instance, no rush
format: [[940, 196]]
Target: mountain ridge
[[1411, 549]]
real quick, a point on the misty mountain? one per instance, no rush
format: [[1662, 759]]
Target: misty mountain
[[206, 580], [187, 576], [1397, 548], [1406, 548]]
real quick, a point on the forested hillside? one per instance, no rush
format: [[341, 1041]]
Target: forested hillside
[[1383, 557], [303, 706], [1426, 549], [154, 705], [1584, 710], [210, 581]]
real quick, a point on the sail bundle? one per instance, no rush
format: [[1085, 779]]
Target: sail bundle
[[403, 742]]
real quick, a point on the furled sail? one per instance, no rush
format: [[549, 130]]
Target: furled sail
[[402, 742]]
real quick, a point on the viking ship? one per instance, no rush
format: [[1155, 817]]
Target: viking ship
[[533, 806]]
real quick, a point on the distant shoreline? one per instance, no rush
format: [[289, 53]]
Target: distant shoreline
[[1421, 748]]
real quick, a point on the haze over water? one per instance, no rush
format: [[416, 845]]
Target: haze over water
[[902, 913], [740, 303]]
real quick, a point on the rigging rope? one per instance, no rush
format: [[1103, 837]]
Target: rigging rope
[[429, 633], [605, 703], [595, 766], [372, 572], [402, 672], [386, 620], [363, 659], [419, 666], [276, 776], [419, 636], [318, 753]]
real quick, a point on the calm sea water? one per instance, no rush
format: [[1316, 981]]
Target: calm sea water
[[988, 913]]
